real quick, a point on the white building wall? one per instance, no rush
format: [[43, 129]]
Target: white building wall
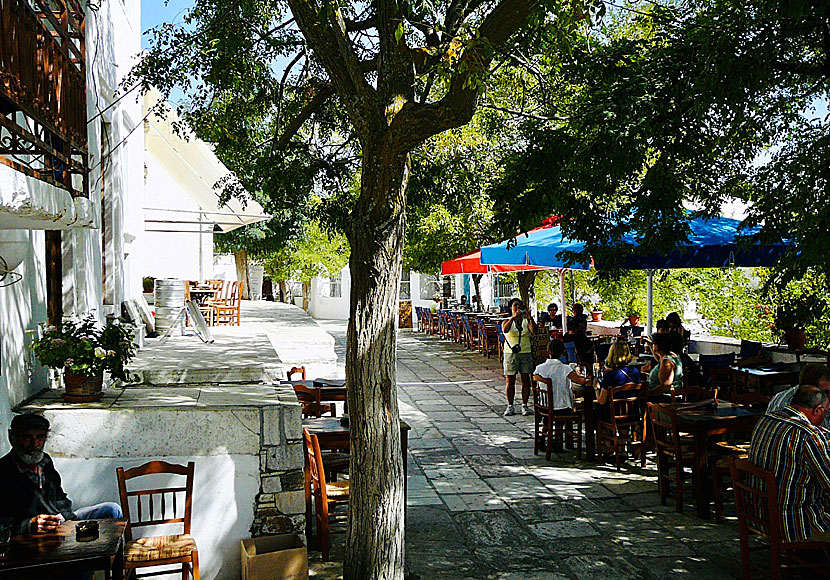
[[113, 37], [170, 254], [325, 307]]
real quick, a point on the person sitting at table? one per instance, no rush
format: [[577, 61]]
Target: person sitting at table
[[815, 374], [30, 487], [667, 371], [619, 373], [582, 344], [789, 443], [558, 376], [551, 318], [463, 303], [662, 326], [578, 315], [518, 354]]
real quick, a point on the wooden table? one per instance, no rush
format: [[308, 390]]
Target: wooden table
[[765, 377], [59, 553], [200, 295], [704, 422]]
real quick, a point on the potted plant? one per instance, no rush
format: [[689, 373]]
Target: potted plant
[[148, 284], [84, 350], [596, 311], [633, 317], [794, 314]]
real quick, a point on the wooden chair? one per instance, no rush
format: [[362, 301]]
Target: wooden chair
[[154, 507], [728, 449], [756, 498], [693, 394], [228, 312], [551, 424], [489, 338], [309, 397], [672, 452], [326, 495], [626, 415], [812, 352], [729, 381]]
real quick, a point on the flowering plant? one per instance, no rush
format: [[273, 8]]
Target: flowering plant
[[84, 348]]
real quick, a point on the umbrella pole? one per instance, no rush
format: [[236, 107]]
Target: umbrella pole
[[650, 301], [562, 298]]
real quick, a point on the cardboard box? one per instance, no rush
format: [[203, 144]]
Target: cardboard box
[[282, 557]]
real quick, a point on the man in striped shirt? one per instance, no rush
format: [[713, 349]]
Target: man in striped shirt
[[789, 443]]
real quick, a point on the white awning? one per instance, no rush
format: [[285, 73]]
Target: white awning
[[197, 169]]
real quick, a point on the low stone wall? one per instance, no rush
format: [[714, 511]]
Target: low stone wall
[[244, 439]]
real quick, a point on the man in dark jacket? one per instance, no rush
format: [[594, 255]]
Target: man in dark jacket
[[30, 487]]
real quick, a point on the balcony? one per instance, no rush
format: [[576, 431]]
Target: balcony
[[43, 131]]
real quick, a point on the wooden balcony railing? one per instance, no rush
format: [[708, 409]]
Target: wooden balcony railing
[[43, 129]]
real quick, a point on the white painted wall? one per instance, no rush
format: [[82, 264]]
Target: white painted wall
[[113, 37], [87, 445], [171, 254], [321, 305]]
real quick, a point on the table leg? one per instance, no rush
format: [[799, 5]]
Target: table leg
[[702, 494]]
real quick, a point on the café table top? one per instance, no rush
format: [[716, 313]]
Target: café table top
[[699, 412], [62, 547], [333, 425], [771, 369]]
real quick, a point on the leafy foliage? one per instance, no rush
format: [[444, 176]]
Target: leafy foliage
[[84, 348]]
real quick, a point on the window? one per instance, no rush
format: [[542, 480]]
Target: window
[[406, 288], [430, 287], [335, 286], [504, 289]]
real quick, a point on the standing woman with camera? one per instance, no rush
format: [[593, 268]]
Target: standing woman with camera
[[518, 356]]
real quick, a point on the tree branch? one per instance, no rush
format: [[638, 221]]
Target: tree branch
[[332, 47], [281, 142], [417, 122]]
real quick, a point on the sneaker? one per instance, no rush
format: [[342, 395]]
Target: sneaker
[[526, 410], [510, 410]]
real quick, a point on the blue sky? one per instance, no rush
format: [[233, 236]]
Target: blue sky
[[154, 12]]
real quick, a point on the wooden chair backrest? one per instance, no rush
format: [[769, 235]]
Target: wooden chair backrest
[[752, 399], [315, 465], [692, 394], [541, 398], [756, 500], [156, 506], [236, 293], [308, 394], [295, 370], [812, 351], [626, 404], [664, 427]]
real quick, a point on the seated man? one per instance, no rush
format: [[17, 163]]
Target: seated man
[[551, 318], [558, 377], [30, 487], [790, 445], [815, 374]]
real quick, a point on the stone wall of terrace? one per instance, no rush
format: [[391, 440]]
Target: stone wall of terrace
[[244, 438]]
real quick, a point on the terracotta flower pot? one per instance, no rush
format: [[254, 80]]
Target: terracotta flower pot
[[596, 315], [82, 389], [796, 338]]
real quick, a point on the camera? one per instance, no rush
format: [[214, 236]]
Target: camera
[[516, 348]]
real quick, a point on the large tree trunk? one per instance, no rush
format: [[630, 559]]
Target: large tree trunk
[[241, 259], [527, 290], [375, 532], [306, 294], [283, 291]]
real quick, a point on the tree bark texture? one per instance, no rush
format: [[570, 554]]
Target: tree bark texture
[[527, 289], [283, 291], [306, 294], [376, 504], [241, 259]]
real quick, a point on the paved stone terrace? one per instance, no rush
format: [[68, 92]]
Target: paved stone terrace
[[481, 505]]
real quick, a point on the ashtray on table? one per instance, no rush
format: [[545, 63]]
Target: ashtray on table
[[86, 531]]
